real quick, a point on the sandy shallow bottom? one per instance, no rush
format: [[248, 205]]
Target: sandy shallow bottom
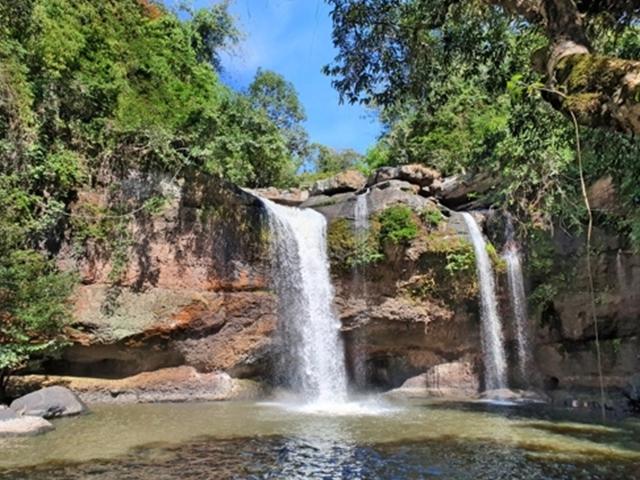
[[368, 439]]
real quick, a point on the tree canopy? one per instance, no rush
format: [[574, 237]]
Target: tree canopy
[[90, 90], [386, 47]]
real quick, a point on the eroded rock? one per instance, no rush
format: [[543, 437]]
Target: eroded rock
[[180, 384]]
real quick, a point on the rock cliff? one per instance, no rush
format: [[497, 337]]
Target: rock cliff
[[189, 288]]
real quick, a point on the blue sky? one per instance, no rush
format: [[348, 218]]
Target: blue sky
[[293, 38]]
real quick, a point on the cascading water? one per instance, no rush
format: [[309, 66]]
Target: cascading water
[[518, 298], [361, 215], [492, 339], [313, 354]]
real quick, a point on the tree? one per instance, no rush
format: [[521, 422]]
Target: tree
[[34, 294], [325, 159], [384, 44], [213, 30], [278, 98]]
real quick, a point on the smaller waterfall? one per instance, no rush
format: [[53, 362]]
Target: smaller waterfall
[[519, 307], [361, 216], [492, 338], [313, 354]]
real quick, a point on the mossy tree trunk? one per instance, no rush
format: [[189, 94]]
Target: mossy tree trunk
[[601, 91]]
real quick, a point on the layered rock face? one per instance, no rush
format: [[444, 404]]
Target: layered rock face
[[567, 353], [186, 305], [189, 287]]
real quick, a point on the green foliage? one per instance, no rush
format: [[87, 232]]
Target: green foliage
[[397, 224], [456, 91], [348, 250], [433, 217], [33, 296], [498, 262], [329, 161], [102, 84], [278, 98], [460, 261], [212, 31]]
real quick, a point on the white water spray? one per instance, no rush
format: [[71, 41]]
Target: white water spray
[[313, 353], [492, 338]]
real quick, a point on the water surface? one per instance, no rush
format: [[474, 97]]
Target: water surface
[[267, 441]]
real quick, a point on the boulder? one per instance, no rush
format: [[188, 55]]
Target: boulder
[[415, 173], [12, 425], [347, 181], [49, 402], [418, 174], [460, 189], [383, 174], [452, 380]]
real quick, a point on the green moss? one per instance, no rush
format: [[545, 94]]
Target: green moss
[[432, 217], [449, 270], [498, 262], [347, 251], [397, 224]]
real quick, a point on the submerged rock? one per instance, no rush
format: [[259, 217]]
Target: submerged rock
[[49, 402]]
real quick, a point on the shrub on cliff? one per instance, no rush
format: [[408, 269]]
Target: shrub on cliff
[[397, 224]]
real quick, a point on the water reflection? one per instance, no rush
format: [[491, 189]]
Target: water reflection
[[249, 441]]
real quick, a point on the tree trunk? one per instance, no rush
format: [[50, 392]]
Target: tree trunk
[[601, 91]]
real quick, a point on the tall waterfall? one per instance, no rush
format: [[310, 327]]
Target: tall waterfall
[[518, 306], [313, 354], [492, 338]]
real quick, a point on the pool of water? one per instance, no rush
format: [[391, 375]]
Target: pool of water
[[371, 440]]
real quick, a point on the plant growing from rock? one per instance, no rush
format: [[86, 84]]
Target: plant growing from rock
[[397, 224]]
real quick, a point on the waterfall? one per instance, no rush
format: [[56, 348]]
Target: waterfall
[[361, 216], [518, 306], [492, 338], [313, 355]]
